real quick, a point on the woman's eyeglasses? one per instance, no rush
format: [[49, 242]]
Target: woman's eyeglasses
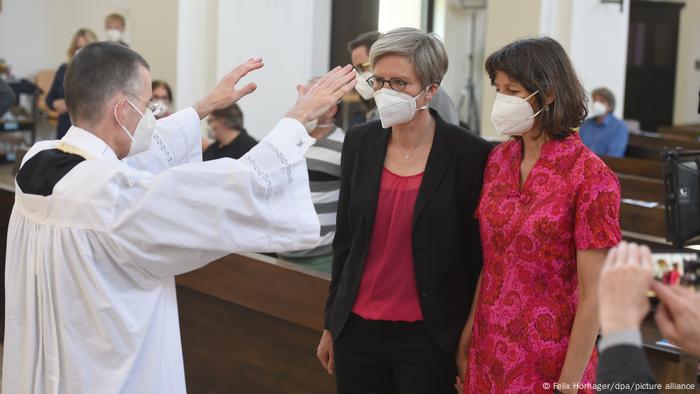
[[396, 84]]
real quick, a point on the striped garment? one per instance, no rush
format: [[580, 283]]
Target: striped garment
[[323, 161]]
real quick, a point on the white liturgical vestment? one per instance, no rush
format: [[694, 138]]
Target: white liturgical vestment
[[90, 288]]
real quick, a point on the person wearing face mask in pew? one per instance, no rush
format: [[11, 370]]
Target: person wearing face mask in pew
[[115, 26], [163, 96], [95, 240], [323, 161], [407, 251], [230, 138], [549, 210], [359, 53], [602, 132]]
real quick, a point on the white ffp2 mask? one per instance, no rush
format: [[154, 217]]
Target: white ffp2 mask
[[396, 107], [597, 109], [362, 87], [143, 134], [114, 35], [513, 115]]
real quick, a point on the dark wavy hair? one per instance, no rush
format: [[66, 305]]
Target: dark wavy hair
[[158, 83], [542, 64], [230, 117]]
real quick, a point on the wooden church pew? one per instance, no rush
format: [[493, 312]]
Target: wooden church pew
[[650, 145], [250, 324], [691, 131]]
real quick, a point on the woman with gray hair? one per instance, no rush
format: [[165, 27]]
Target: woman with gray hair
[[407, 251]]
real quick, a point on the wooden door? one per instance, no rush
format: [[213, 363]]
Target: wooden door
[[651, 62]]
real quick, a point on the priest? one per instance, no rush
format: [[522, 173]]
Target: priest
[[106, 217]]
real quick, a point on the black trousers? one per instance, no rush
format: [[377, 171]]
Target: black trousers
[[382, 357]]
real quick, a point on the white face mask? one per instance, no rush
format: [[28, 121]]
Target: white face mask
[[143, 134], [396, 107], [362, 87], [161, 108], [114, 35], [512, 115], [597, 109]]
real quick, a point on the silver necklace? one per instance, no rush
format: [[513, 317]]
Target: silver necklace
[[407, 156]]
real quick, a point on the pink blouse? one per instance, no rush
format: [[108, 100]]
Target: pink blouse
[[388, 288]]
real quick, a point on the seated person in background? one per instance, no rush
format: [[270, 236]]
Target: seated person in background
[[7, 97], [672, 277], [323, 162], [163, 96], [231, 138], [55, 98], [625, 279], [115, 25], [602, 132], [359, 54]]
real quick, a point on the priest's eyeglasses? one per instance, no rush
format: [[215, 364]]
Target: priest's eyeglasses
[[155, 107]]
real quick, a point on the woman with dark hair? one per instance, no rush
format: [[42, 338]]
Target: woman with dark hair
[[549, 210], [55, 98], [163, 97]]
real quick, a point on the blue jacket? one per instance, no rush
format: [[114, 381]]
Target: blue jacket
[[608, 138]]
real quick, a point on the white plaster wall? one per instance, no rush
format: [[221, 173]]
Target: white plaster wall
[[153, 27], [35, 34], [506, 21]]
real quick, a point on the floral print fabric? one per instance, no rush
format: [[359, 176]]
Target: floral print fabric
[[527, 303]]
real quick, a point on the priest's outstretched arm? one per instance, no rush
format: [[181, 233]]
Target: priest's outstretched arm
[[177, 138], [187, 216]]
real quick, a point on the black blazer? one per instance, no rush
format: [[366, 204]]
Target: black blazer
[[446, 243], [626, 364]]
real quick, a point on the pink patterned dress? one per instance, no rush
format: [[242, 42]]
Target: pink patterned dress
[[530, 234]]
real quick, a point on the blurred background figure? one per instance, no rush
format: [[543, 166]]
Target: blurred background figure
[[55, 99], [115, 25], [231, 139], [602, 132], [672, 277], [7, 97], [163, 96]]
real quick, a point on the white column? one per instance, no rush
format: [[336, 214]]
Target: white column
[[292, 38], [598, 46], [196, 50]]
